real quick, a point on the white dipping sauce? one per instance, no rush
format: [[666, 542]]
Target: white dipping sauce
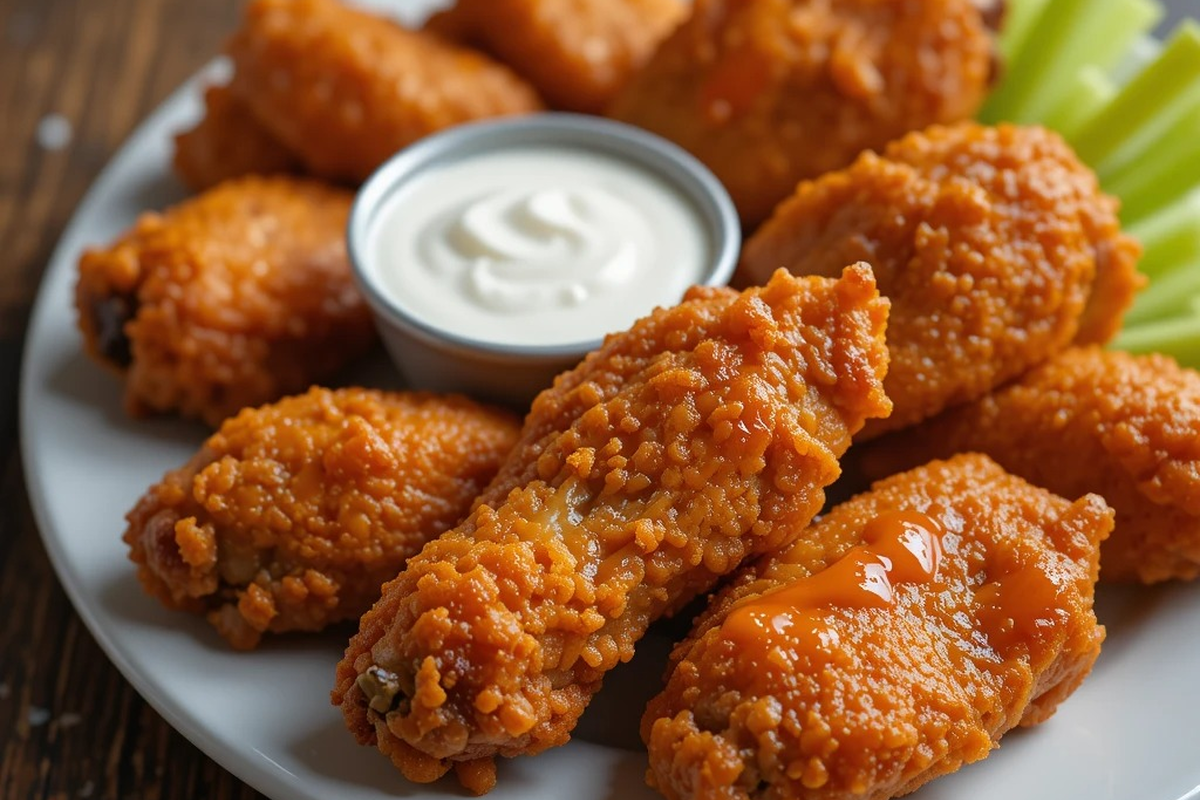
[[537, 246]]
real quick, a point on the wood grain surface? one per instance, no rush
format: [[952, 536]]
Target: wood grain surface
[[75, 77]]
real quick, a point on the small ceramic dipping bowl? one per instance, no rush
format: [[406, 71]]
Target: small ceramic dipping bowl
[[496, 255]]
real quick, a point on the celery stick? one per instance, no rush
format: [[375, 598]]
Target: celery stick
[[1178, 337], [1168, 166], [1142, 52], [1024, 74], [1019, 20], [1170, 237], [1167, 295], [1165, 157], [1089, 92], [1140, 108], [1105, 30]]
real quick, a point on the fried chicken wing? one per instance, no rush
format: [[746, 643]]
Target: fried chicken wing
[[897, 639], [292, 515], [770, 92], [995, 246], [703, 435], [1122, 426], [576, 53], [232, 299], [344, 89], [228, 142]]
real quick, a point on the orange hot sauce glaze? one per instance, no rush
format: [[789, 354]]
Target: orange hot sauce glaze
[[780, 625], [1013, 608]]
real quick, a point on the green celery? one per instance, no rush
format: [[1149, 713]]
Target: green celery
[[1170, 237], [1168, 294], [1118, 132], [1090, 91], [1097, 37], [1178, 337], [1020, 19], [1167, 166], [1024, 73]]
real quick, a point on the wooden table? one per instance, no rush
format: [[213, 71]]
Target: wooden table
[[75, 77]]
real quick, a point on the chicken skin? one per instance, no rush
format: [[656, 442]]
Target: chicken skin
[[344, 90], [771, 92], [995, 246], [228, 142], [576, 53], [1122, 426], [895, 640], [703, 435], [292, 515], [231, 299]]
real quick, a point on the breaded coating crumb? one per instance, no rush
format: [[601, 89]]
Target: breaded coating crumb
[[576, 53], [1125, 427], [703, 435], [995, 246], [291, 516], [771, 92], [830, 671], [231, 299], [228, 142], [345, 89]]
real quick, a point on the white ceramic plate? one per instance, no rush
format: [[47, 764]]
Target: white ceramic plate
[[1130, 732]]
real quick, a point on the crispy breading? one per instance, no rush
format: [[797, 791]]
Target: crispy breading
[[770, 92], [292, 515], [703, 435], [995, 246], [576, 53], [231, 299], [345, 89], [1125, 427], [228, 142], [861, 662]]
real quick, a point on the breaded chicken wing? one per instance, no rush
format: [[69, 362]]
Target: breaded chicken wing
[[897, 639], [703, 435], [231, 299], [1122, 426], [576, 53], [228, 142], [292, 515], [994, 245], [344, 89], [770, 92]]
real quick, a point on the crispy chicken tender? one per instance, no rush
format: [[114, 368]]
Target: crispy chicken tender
[[995, 246], [703, 435], [228, 142], [770, 92], [866, 660], [344, 89], [232, 299], [576, 53], [1126, 427], [292, 515]]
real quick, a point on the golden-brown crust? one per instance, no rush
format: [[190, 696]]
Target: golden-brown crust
[[703, 435], [226, 143], [770, 92], [893, 695], [576, 53], [345, 89], [292, 515], [1125, 427], [995, 245], [231, 299]]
